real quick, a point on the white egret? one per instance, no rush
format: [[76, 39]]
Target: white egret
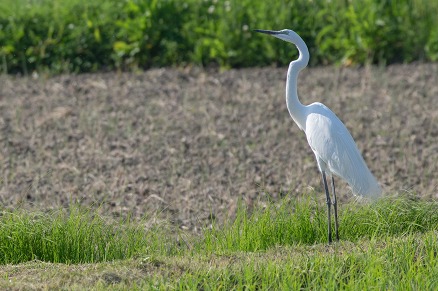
[[334, 148]]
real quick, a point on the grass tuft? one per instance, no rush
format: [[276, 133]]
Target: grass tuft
[[304, 221], [73, 236], [389, 217]]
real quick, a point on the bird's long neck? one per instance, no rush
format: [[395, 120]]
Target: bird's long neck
[[296, 109]]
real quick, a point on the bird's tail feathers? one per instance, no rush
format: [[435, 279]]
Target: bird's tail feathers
[[370, 189]]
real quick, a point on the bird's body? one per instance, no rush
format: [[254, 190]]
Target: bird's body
[[334, 148], [336, 152]]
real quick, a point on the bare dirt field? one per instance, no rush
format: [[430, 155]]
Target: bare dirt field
[[188, 144]]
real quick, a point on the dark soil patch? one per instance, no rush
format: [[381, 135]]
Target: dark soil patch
[[188, 144]]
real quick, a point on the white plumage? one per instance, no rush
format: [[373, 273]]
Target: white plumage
[[336, 151], [334, 148]]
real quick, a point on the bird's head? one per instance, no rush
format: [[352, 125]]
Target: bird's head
[[292, 37]]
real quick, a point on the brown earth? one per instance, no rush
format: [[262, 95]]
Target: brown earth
[[188, 144]]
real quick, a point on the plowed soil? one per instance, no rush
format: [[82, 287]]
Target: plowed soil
[[187, 144]]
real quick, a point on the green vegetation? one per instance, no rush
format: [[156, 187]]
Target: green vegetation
[[391, 244], [305, 222], [82, 36], [76, 236]]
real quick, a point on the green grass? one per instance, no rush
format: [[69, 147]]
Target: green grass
[[82, 36], [73, 236], [390, 244], [305, 222], [396, 263]]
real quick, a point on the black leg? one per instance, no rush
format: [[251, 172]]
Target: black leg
[[329, 224], [335, 207]]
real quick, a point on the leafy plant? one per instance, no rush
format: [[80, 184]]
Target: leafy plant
[[80, 36]]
